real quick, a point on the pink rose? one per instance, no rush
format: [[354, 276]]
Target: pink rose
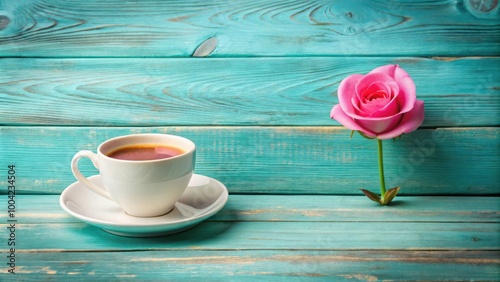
[[382, 104]]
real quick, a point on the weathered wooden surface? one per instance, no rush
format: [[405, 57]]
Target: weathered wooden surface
[[262, 265], [236, 91], [311, 208], [280, 79], [274, 237], [75, 73], [300, 160], [51, 28]]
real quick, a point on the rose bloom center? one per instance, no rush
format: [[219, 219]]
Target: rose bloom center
[[377, 95]]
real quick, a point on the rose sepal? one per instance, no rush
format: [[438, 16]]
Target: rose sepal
[[372, 196], [385, 199], [389, 195]]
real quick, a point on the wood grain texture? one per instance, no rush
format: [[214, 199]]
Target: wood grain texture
[[237, 231], [75, 73], [270, 160], [39, 209], [263, 237], [260, 265], [235, 235], [51, 28], [237, 91]]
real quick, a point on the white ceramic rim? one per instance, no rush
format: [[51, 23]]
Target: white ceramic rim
[[191, 147]]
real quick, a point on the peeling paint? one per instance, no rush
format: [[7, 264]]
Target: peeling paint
[[204, 260], [308, 212], [126, 276], [446, 59], [47, 270], [362, 277]]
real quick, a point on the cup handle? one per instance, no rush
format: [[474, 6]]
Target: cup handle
[[79, 176]]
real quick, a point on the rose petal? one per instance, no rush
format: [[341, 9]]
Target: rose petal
[[376, 90], [379, 125], [356, 103], [339, 115], [382, 102], [346, 92], [407, 94], [390, 109], [376, 85], [386, 105], [410, 122], [393, 71], [366, 81], [370, 108], [349, 99]]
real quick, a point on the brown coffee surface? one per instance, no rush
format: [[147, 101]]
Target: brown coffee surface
[[145, 152]]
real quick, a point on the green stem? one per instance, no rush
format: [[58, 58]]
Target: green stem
[[381, 168]]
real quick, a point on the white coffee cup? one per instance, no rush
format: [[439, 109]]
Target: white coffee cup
[[143, 188]]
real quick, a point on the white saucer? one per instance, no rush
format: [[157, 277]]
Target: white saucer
[[203, 198]]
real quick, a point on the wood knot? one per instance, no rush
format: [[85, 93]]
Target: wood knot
[[4, 21], [482, 8], [206, 47]]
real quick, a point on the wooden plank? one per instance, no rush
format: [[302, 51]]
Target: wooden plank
[[276, 160], [251, 235], [237, 91], [248, 28], [260, 265], [245, 241], [319, 208]]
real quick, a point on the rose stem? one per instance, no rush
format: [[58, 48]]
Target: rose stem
[[381, 168]]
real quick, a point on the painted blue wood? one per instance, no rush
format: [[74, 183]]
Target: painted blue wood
[[150, 28], [279, 235], [73, 74], [277, 160], [260, 265], [236, 91], [272, 236], [37, 209], [366, 232]]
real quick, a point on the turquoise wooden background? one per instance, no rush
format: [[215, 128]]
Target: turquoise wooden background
[[74, 73]]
